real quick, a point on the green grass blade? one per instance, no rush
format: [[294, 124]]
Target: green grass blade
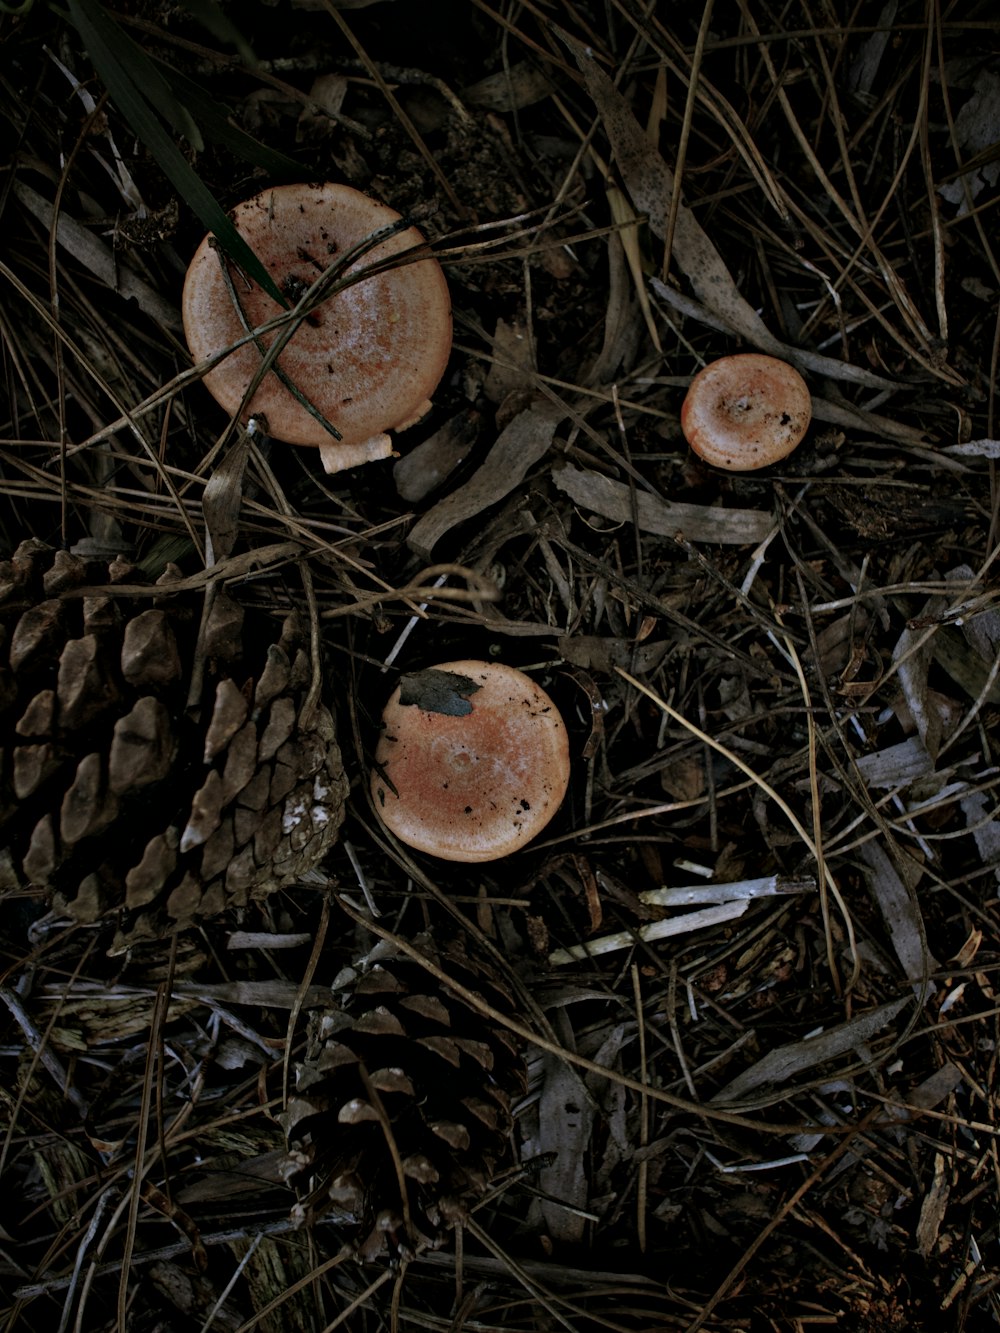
[[214, 118], [115, 55], [144, 121], [221, 26]]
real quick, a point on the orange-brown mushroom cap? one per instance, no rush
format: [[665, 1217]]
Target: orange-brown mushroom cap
[[746, 411], [368, 358], [474, 766]]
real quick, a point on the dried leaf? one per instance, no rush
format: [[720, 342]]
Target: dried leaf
[[687, 895], [98, 258], [797, 1058], [974, 449], [976, 132], [650, 184], [985, 830], [523, 442], [895, 765], [864, 68], [913, 656], [595, 652], [654, 930], [933, 1208], [856, 418], [565, 1124], [801, 357], [327, 94], [222, 501], [965, 665], [981, 625], [517, 85], [683, 778], [696, 523], [512, 366], [430, 464], [138, 90], [621, 328], [901, 914], [435, 691]]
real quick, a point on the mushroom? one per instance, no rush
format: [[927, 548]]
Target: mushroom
[[747, 411], [472, 762], [367, 358]]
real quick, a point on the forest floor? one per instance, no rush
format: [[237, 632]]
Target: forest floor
[[764, 1095]]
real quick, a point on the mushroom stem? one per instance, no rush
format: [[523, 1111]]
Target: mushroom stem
[[341, 457]]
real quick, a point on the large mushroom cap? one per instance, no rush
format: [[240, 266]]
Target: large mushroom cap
[[368, 358], [474, 766], [745, 412]]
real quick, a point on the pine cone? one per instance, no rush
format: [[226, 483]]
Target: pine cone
[[115, 793], [402, 1109]]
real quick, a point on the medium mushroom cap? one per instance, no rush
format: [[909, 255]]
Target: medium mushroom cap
[[368, 358], [747, 411], [472, 763]]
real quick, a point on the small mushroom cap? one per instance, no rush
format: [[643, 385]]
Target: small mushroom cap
[[368, 358], [747, 411], [479, 780]]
